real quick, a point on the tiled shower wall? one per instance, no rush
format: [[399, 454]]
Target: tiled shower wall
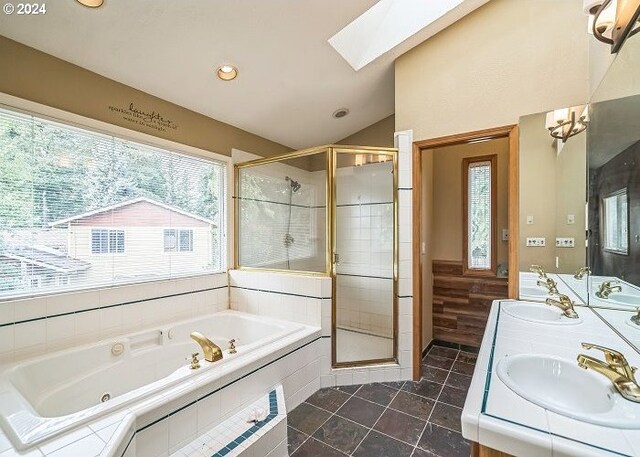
[[308, 299], [48, 323], [264, 218], [364, 219]]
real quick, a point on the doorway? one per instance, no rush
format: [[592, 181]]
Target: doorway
[[465, 207]]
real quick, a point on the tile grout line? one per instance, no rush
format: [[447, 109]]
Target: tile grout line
[[378, 420], [436, 400], [331, 414]]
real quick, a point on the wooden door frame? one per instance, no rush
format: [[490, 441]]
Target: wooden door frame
[[507, 131]]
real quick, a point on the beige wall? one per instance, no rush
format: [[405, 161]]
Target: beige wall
[[552, 186], [447, 196], [42, 78], [426, 232], [378, 134], [506, 59]]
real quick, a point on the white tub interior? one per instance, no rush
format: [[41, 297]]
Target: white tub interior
[[69, 386]]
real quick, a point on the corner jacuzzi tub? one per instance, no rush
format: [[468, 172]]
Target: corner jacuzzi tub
[[48, 395]]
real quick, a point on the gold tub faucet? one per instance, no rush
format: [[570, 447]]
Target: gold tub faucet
[[616, 368], [211, 351], [565, 304], [607, 287]]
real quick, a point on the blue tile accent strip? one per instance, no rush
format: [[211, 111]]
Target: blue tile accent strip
[[111, 306], [280, 293], [295, 205], [487, 386], [273, 412]]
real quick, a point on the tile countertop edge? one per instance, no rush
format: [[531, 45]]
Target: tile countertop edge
[[502, 434]]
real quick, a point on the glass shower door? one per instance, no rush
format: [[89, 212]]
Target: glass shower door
[[364, 253]]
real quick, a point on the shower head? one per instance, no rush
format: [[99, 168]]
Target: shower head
[[295, 185]]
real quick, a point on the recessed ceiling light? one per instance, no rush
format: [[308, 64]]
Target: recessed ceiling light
[[342, 112], [227, 72], [91, 3]]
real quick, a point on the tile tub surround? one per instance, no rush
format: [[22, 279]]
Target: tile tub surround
[[388, 419], [49, 323], [163, 423], [498, 418], [307, 299]]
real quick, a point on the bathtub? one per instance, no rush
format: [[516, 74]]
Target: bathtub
[[46, 396]]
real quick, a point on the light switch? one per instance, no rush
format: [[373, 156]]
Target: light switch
[[571, 219], [529, 220], [505, 234]]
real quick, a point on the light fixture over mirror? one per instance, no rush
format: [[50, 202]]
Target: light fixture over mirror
[[613, 21], [565, 123]]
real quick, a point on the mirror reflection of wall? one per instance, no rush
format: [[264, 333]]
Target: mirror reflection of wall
[[552, 206], [613, 141], [614, 202]]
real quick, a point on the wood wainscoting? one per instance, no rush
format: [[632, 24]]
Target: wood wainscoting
[[461, 303]]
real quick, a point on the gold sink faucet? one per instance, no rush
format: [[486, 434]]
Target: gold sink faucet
[[581, 272], [211, 351], [616, 368], [550, 284], [607, 287], [538, 269], [565, 304]]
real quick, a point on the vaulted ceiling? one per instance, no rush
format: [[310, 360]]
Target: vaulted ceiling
[[290, 79]]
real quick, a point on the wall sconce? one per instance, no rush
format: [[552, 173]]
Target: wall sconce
[[613, 21], [564, 123]]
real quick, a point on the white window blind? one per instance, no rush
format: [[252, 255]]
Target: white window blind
[[616, 222], [82, 209], [479, 216]]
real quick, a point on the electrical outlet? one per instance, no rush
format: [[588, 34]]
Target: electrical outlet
[[536, 242], [565, 242], [505, 234]]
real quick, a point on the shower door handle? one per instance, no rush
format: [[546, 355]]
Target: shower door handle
[[336, 258]]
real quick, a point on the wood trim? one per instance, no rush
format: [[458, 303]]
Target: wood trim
[[466, 161], [514, 211], [461, 138], [510, 131], [417, 262]]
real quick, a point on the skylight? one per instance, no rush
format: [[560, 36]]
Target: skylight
[[390, 22]]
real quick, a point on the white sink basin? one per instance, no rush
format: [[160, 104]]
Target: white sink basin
[[561, 386], [538, 312], [624, 299], [533, 291]]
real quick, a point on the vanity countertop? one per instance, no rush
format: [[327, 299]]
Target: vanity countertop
[[498, 418]]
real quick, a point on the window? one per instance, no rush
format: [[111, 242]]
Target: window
[[178, 240], [105, 241], [615, 222], [479, 202], [81, 209]]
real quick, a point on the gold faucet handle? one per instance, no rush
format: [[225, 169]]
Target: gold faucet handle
[[232, 346], [538, 269], [565, 300], [613, 357]]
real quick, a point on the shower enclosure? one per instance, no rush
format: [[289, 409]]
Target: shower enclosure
[[330, 210]]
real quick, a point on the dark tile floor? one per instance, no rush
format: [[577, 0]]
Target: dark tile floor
[[395, 419]]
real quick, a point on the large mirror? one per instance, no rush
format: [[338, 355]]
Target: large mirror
[[552, 208], [613, 144]]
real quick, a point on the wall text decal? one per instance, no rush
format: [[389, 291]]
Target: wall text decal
[[150, 119]]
